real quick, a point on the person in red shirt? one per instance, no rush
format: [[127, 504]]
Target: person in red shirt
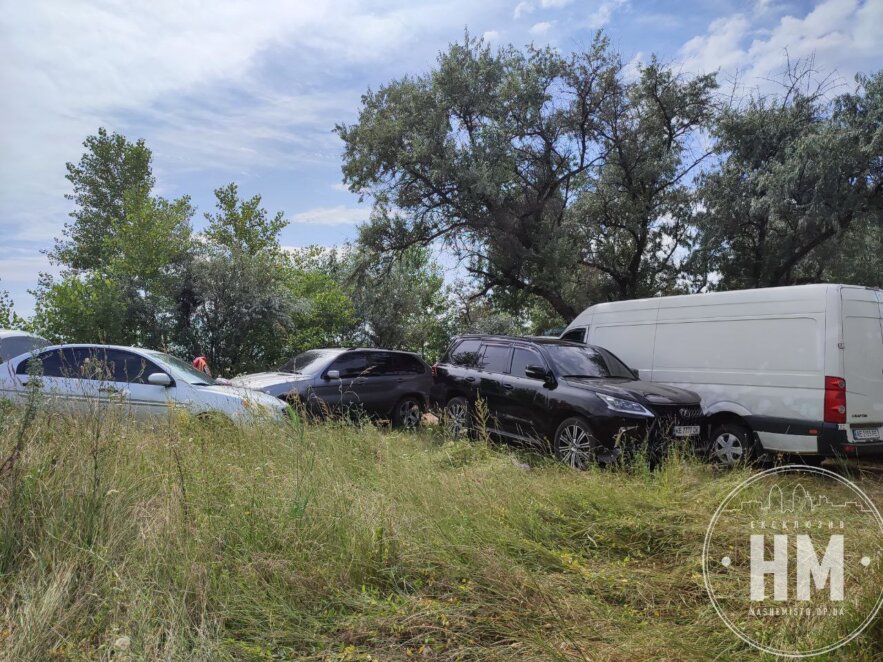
[[201, 364]]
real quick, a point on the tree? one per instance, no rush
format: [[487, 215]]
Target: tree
[[548, 175], [243, 225], [399, 303], [9, 319], [243, 312], [76, 308], [798, 172], [634, 221], [110, 168]]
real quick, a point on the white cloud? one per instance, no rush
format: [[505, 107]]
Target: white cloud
[[554, 4], [491, 35], [339, 215], [842, 35], [542, 27], [601, 16], [522, 9], [233, 84]]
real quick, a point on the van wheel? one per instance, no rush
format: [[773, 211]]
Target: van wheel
[[731, 445], [576, 444], [407, 413], [457, 417]]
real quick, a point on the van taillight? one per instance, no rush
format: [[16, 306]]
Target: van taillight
[[835, 400]]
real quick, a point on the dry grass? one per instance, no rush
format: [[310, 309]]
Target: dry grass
[[346, 542]]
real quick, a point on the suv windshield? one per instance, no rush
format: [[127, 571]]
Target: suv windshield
[[309, 361], [572, 361], [181, 370]]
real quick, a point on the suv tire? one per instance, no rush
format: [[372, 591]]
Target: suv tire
[[576, 444]]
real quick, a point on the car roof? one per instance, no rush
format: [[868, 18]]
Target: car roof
[[536, 340]]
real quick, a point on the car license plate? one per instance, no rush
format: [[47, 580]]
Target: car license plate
[[863, 434], [686, 430]]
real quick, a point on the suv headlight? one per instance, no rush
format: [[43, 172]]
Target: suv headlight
[[625, 406]]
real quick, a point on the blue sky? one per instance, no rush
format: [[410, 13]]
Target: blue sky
[[250, 91]]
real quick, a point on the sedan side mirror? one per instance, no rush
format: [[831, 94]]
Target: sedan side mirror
[[637, 373], [159, 379], [332, 374]]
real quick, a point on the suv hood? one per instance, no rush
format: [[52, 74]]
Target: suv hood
[[641, 391], [262, 380]]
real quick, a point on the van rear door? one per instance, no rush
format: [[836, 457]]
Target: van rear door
[[863, 356]]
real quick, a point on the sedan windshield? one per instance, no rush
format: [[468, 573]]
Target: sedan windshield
[[572, 361], [311, 361], [181, 370]]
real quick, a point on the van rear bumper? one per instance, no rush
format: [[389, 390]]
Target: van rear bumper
[[836, 443], [830, 441]]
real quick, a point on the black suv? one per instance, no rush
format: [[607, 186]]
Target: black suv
[[379, 382], [581, 397]]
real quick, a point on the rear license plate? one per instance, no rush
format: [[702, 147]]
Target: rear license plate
[[863, 434], [687, 430]]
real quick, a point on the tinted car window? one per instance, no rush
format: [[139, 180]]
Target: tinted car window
[[521, 358], [466, 353], [496, 358], [307, 362], [586, 362], [55, 363], [128, 367], [577, 335], [404, 364], [378, 364], [351, 364]]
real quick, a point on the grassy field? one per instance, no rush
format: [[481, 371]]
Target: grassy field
[[188, 542]]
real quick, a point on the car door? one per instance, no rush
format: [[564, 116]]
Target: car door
[[376, 387], [412, 375], [492, 367], [339, 394], [130, 387], [460, 371], [524, 409], [64, 380]]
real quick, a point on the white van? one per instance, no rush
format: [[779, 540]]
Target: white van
[[797, 370]]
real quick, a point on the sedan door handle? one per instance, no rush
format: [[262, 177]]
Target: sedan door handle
[[508, 387], [470, 379]]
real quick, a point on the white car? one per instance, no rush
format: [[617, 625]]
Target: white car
[[140, 382], [13, 343]]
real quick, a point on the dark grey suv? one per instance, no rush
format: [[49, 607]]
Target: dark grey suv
[[379, 382]]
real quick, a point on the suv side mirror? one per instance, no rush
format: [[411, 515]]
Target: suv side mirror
[[332, 374], [537, 372], [159, 379]]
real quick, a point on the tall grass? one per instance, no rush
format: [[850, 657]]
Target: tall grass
[[185, 541]]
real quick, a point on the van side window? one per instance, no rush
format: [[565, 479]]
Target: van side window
[[575, 335]]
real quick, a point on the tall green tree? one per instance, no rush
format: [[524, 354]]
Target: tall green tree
[[111, 167], [243, 225], [799, 179], [549, 175]]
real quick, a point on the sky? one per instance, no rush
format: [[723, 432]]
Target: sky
[[250, 91]]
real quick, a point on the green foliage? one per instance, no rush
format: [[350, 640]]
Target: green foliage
[[549, 175], [324, 316], [799, 170], [111, 168], [401, 302], [9, 319], [243, 225], [343, 542], [90, 308]]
